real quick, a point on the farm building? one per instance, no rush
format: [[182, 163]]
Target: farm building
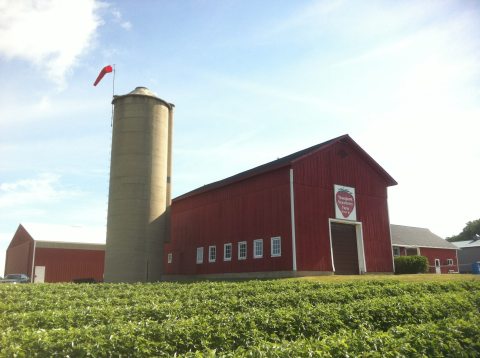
[[54, 253], [321, 210], [409, 240], [468, 254]]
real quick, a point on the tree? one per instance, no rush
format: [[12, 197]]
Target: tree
[[471, 229]]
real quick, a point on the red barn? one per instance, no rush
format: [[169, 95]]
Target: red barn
[[321, 210], [54, 253], [441, 254]]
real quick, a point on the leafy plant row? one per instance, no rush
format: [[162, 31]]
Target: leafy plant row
[[444, 338], [456, 337], [250, 293], [248, 318], [303, 318]]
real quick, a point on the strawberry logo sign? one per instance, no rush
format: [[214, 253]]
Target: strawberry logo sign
[[345, 203]]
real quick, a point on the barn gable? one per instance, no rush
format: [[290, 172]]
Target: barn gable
[[19, 253], [341, 149], [20, 237]]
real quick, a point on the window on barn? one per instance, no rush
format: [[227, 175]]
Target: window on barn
[[276, 246], [169, 258], [227, 252], [212, 253], [242, 250], [258, 249], [396, 251], [450, 262], [199, 255]]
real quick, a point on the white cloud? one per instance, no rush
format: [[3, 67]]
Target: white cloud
[[126, 25], [45, 199], [51, 34], [118, 18], [29, 192], [117, 15]]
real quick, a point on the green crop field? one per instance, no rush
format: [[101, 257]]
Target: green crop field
[[322, 317]]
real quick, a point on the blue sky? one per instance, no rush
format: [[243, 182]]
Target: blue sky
[[252, 81]]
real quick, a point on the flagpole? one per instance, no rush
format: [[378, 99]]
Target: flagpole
[[113, 93], [113, 89]]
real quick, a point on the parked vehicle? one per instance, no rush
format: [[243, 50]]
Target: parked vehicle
[[16, 278]]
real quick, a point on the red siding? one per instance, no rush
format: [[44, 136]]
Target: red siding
[[66, 265], [443, 255], [257, 208], [314, 178], [19, 253]]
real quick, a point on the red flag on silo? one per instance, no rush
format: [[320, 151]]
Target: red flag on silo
[[105, 70]]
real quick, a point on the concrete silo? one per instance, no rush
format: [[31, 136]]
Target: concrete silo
[[140, 189]]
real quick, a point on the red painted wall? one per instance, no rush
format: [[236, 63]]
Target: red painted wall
[[256, 208], [66, 265], [259, 208], [443, 255], [19, 253], [314, 178]]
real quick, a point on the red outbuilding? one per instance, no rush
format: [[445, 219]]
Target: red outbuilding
[[321, 210], [54, 253], [409, 240]]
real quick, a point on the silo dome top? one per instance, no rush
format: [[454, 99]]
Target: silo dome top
[[143, 91]]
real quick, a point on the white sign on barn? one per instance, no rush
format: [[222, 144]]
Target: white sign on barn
[[345, 204]]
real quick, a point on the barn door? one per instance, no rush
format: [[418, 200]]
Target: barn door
[[344, 249], [437, 266], [39, 274]]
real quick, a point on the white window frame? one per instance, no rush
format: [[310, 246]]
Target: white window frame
[[169, 257], [450, 262], [279, 240], [212, 250], [240, 257], [396, 251], [225, 258], [200, 255], [257, 255]]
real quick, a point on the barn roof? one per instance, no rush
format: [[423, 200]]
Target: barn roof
[[410, 236], [467, 244], [65, 234], [288, 160]]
